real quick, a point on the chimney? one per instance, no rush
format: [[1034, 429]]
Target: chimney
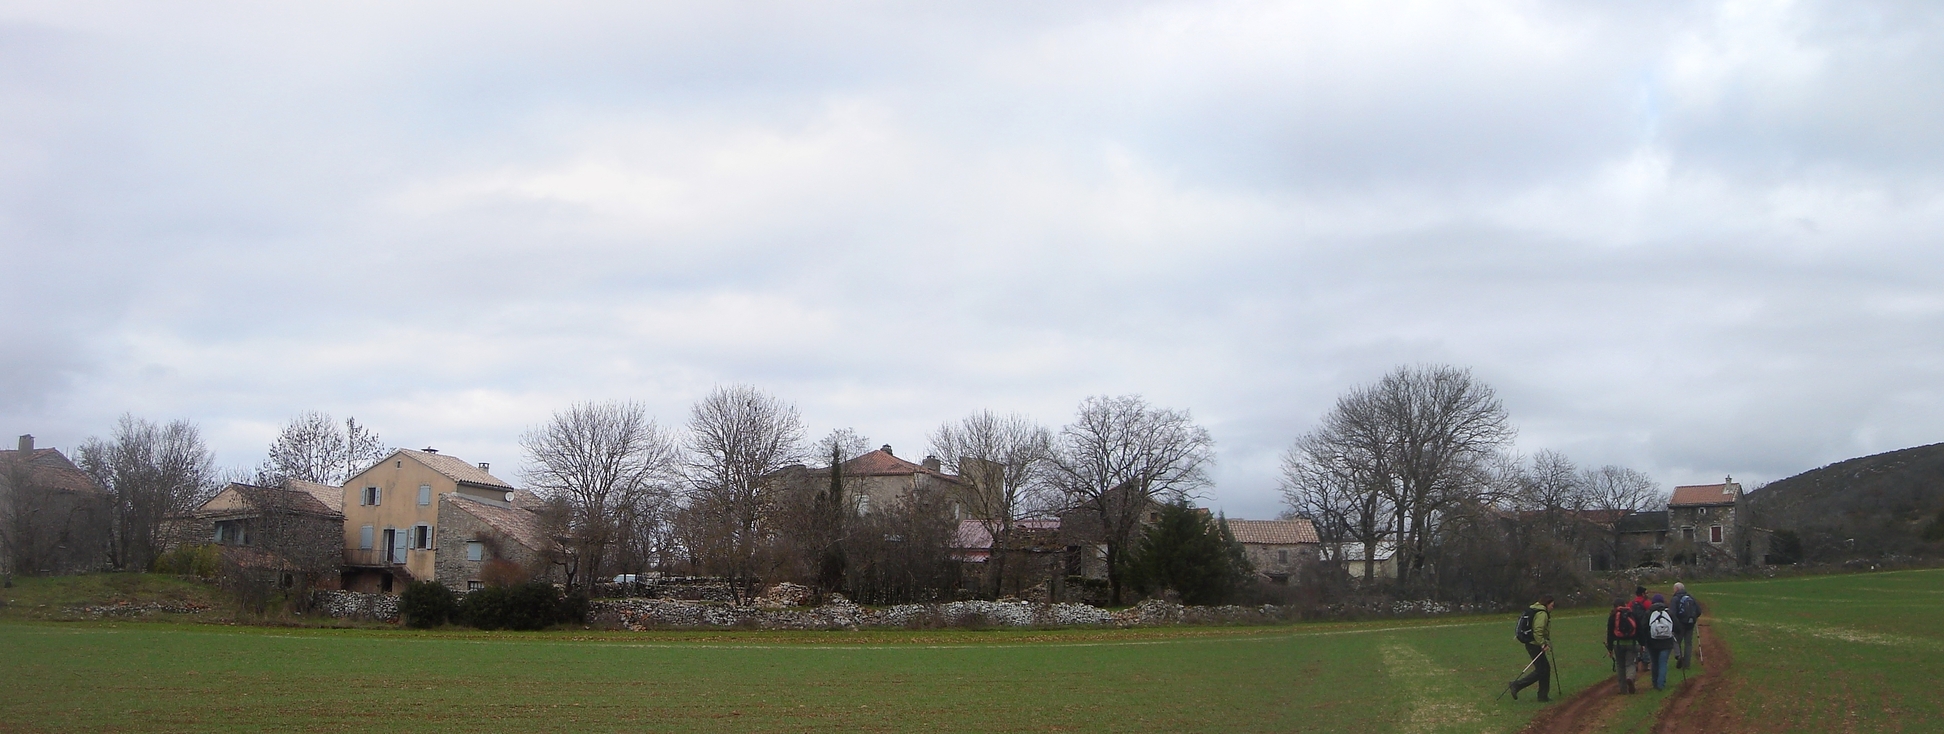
[[887, 449], [486, 467], [429, 450], [26, 442], [931, 463]]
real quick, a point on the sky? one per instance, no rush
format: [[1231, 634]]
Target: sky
[[1692, 238]]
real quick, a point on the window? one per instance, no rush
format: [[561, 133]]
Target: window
[[1714, 534], [425, 494], [370, 496], [1704, 510], [475, 551], [474, 586], [364, 537], [1282, 556], [422, 536], [1687, 534]]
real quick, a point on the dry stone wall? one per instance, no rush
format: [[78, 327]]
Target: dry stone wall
[[841, 614]]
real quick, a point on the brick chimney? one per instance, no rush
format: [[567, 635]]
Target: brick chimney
[[26, 442]]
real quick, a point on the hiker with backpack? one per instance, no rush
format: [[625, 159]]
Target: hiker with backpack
[[1687, 613], [1535, 632], [1623, 642], [1639, 606], [1660, 638]]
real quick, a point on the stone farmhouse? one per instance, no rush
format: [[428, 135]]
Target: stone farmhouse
[[57, 517], [1277, 548], [423, 515], [878, 479], [1705, 524]]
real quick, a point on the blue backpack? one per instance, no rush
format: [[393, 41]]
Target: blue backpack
[[1687, 610]]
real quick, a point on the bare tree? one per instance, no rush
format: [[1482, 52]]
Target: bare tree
[[312, 447], [1341, 485], [1423, 439], [47, 525], [608, 463], [1620, 488], [1118, 457], [843, 444], [1550, 484], [292, 540], [1003, 461], [151, 473], [738, 438]]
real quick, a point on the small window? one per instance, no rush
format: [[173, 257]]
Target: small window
[[365, 537], [1704, 510], [1714, 534], [1687, 534], [475, 551], [370, 496], [422, 536], [1282, 556], [474, 586], [425, 494]]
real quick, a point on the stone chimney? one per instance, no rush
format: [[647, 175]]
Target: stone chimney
[[887, 449], [931, 463], [486, 467], [429, 450], [26, 442]]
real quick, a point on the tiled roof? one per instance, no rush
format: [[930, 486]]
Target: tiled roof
[[1273, 532], [882, 463], [1642, 522], [1705, 494], [50, 468], [332, 497], [519, 525], [457, 469], [972, 534], [298, 500]]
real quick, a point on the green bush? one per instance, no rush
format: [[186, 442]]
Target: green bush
[[528, 606], [427, 604], [200, 561]]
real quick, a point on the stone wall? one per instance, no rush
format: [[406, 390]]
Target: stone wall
[[841, 614], [355, 605]]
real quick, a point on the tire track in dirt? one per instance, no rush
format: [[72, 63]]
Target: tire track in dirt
[[1586, 711], [1703, 703]]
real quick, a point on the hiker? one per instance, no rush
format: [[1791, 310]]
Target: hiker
[[1639, 605], [1623, 642], [1660, 638], [1535, 631], [1687, 613]]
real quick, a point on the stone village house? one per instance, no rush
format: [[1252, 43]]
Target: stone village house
[[55, 518], [294, 531], [422, 515]]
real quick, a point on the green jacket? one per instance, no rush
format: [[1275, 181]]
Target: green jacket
[[1541, 625]]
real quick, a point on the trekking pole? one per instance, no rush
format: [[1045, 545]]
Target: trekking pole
[[1557, 682], [1522, 672]]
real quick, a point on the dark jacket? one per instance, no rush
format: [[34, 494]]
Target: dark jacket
[[1646, 635], [1613, 623], [1675, 604]]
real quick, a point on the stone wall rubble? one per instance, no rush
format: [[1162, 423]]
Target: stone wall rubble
[[839, 613]]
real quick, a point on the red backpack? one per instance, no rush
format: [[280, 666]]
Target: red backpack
[[1624, 627]]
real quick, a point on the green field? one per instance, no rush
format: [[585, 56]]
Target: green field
[[1869, 643]]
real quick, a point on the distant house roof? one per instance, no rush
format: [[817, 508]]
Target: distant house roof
[[49, 468], [1642, 522], [1705, 494], [520, 525], [332, 497], [455, 469], [972, 534], [237, 499], [1273, 532], [882, 463]]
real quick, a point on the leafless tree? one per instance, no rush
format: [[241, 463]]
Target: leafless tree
[[291, 542], [1341, 485], [151, 473], [844, 443], [46, 528], [611, 466], [1120, 456], [1003, 462], [1423, 438], [1620, 488], [1549, 484], [312, 447], [738, 438]]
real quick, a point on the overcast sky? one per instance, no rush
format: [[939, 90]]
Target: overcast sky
[[1692, 238]]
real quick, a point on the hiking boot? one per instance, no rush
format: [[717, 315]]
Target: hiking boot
[[1513, 686], [1544, 699]]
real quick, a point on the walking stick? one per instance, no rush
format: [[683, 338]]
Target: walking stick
[[1522, 672], [1557, 683]]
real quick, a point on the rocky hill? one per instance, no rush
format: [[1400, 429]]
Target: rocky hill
[[1887, 504]]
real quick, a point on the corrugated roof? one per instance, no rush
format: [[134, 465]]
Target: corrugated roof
[[1273, 532], [1705, 494], [519, 525], [457, 469]]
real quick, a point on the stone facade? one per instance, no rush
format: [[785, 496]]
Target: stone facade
[[476, 536]]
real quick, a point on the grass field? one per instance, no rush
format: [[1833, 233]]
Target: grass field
[[1869, 642]]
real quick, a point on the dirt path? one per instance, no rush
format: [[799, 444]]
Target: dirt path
[[1695, 706], [1702, 704], [1586, 711]]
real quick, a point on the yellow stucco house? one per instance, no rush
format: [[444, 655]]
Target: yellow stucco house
[[395, 512]]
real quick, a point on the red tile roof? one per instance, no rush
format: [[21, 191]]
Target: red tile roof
[[1705, 494], [1273, 532], [50, 468], [881, 463], [457, 469]]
